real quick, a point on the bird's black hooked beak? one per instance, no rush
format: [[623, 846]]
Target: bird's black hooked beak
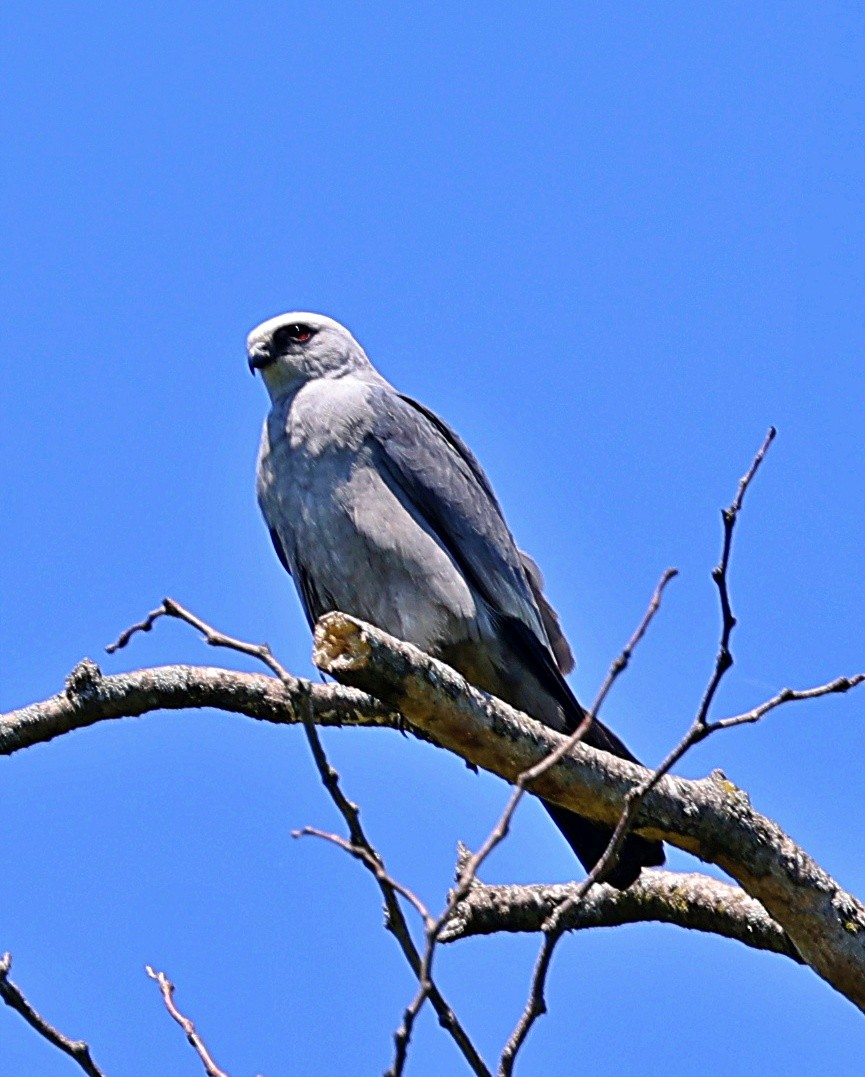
[[259, 357]]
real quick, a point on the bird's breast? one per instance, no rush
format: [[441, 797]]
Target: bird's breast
[[364, 546]]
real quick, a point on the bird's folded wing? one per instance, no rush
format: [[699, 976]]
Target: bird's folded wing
[[435, 472]]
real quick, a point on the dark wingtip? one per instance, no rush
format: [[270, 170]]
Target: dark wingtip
[[589, 841]]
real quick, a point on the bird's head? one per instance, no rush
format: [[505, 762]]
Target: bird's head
[[297, 347]]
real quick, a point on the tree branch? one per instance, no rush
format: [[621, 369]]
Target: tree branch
[[710, 818], [693, 901], [14, 997], [360, 846], [166, 988], [362, 849], [91, 697]]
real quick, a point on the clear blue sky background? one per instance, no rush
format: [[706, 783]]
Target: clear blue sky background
[[611, 244]]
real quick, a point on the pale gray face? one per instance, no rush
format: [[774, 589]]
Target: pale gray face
[[296, 347]]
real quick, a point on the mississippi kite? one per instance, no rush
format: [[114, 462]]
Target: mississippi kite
[[378, 509]]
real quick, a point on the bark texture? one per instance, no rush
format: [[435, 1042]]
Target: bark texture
[[789, 905], [711, 818]]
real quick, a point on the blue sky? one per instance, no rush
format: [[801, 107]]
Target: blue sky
[[610, 245]]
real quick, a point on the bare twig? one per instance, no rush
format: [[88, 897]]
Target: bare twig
[[536, 1004], [14, 997], [170, 608], [699, 730], [527, 777], [395, 920], [140, 626], [700, 727], [359, 846], [621, 663], [375, 866], [166, 987], [724, 659], [789, 695], [469, 865]]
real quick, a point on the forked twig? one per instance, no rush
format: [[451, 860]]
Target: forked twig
[[536, 1004], [471, 864], [729, 516], [359, 845], [212, 636], [699, 730], [395, 918]]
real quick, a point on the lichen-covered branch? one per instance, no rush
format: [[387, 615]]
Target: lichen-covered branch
[[91, 697], [693, 901], [359, 844], [710, 818]]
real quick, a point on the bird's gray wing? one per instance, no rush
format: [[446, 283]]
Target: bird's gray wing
[[552, 623], [313, 602], [439, 476], [280, 550]]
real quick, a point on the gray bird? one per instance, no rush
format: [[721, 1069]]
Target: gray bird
[[378, 509]]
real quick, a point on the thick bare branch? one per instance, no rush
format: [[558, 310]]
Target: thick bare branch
[[693, 901], [14, 997], [90, 697], [710, 818]]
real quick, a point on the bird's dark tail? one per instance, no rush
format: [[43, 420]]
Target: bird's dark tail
[[589, 840]]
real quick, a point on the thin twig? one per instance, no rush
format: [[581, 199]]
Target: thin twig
[[170, 608], [469, 865], [395, 918], [789, 695], [13, 996], [375, 866], [359, 845], [724, 659], [140, 626], [536, 1004], [195, 1041], [699, 730], [621, 663], [524, 781]]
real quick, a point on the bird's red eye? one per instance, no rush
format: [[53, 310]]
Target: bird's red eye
[[296, 333]]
